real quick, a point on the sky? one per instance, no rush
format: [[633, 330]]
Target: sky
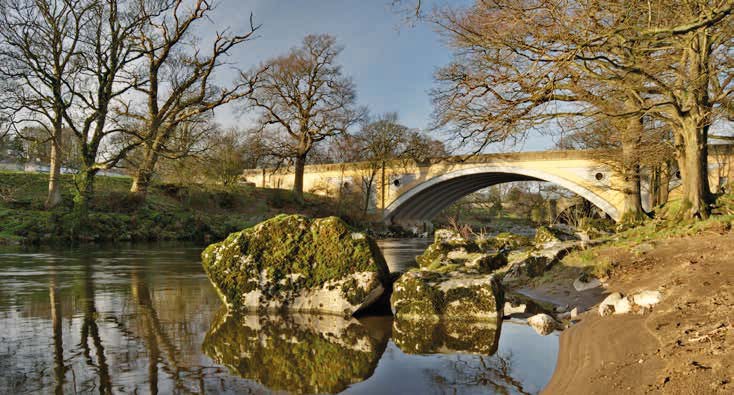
[[392, 62]]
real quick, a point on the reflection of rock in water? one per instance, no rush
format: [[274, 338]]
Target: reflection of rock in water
[[297, 352], [445, 337]]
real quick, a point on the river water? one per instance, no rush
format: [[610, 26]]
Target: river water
[[145, 319]]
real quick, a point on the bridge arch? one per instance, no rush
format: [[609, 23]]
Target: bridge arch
[[425, 200]]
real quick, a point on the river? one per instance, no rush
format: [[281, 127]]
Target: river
[[144, 319]]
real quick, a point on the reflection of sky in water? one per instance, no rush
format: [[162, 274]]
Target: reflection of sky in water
[[530, 360], [135, 320], [400, 253]]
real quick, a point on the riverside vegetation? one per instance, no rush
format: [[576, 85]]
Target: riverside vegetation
[[198, 213]]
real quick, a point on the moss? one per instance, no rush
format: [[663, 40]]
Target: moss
[[544, 235], [489, 262], [505, 240], [435, 296], [353, 293], [434, 255], [413, 296], [472, 300]]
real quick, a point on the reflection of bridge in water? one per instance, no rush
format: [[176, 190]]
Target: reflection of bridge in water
[[410, 193]]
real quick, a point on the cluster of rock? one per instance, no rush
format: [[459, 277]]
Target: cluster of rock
[[548, 247], [451, 251], [453, 281], [298, 264], [641, 302]]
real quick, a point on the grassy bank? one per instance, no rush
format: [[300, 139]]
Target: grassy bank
[[172, 212], [603, 260]]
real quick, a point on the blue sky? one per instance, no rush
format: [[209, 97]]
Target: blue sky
[[391, 62]]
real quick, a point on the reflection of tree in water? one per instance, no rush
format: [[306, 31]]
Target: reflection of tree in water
[[60, 367], [427, 337], [298, 353], [90, 329], [154, 336], [492, 373]]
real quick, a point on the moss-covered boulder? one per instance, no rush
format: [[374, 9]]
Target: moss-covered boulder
[[421, 295], [298, 353], [291, 262], [450, 251], [534, 263]]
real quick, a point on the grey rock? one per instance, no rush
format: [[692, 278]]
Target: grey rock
[[647, 298], [606, 309], [255, 271], [622, 306], [607, 306], [510, 309], [543, 324], [434, 296]]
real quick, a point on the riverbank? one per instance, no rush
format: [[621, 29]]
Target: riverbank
[[198, 213], [684, 345]]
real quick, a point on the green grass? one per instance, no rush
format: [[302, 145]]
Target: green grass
[[202, 213]]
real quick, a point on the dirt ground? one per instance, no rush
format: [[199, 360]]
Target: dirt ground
[[685, 345]]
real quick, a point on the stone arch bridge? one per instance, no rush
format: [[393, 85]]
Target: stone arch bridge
[[408, 193]]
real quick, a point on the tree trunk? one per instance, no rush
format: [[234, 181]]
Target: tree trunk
[[662, 183], [58, 335], [693, 164], [84, 194], [298, 178], [631, 141], [54, 175], [144, 174], [369, 183]]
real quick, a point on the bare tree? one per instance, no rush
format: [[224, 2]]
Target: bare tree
[[179, 86], [231, 152], [303, 98], [39, 62], [106, 58], [514, 76], [381, 142], [377, 143], [522, 64]]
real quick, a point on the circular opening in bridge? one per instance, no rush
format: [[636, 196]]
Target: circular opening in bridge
[[396, 183], [346, 184], [599, 176]]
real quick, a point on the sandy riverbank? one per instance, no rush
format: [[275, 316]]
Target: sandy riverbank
[[684, 346]]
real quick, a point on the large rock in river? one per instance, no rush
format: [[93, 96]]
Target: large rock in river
[[434, 296], [291, 262]]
